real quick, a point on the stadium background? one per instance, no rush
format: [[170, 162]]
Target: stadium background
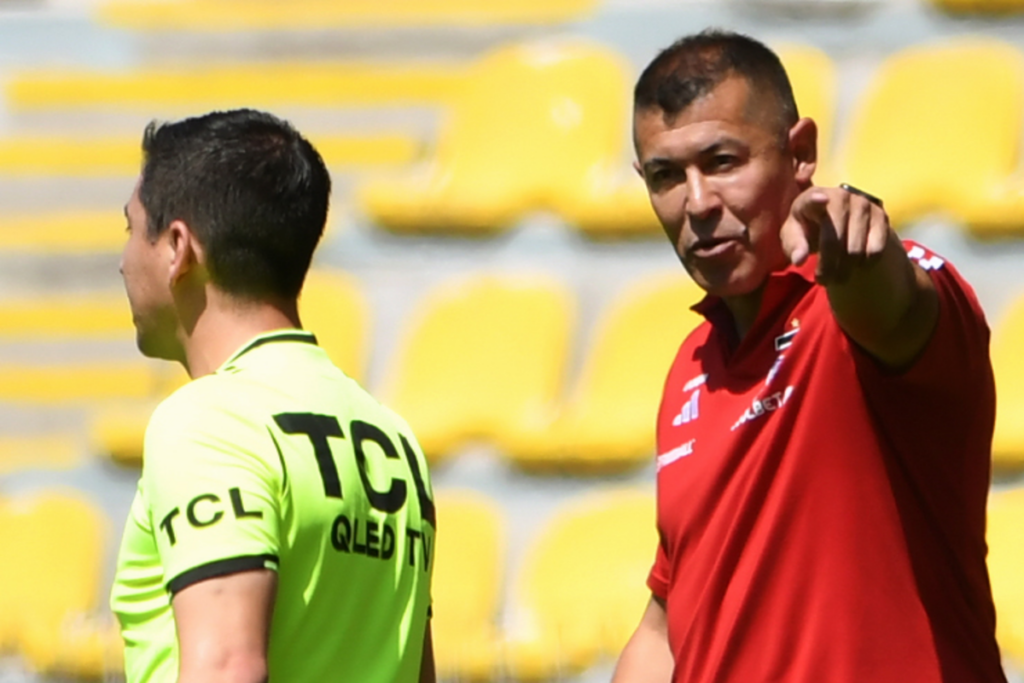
[[543, 548]]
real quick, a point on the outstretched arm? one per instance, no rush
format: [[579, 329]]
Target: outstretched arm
[[646, 657], [884, 301]]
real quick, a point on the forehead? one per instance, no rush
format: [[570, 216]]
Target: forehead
[[724, 115], [134, 202]]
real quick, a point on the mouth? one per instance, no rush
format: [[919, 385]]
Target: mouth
[[712, 247]]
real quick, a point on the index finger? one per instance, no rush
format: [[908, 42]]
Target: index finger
[[811, 208]]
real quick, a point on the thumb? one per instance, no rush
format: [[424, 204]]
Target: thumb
[[799, 234]]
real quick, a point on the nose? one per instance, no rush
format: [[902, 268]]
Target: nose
[[701, 198]]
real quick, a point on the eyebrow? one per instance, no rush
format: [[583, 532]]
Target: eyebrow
[[125, 209], [657, 161], [712, 148]]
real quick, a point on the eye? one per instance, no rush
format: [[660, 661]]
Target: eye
[[724, 161], [663, 176]]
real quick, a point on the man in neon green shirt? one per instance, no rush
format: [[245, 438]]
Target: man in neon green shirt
[[283, 528]]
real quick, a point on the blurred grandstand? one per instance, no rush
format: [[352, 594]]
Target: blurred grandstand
[[491, 269]]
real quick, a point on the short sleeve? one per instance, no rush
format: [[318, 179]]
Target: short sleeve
[[944, 402], [211, 493], [957, 351]]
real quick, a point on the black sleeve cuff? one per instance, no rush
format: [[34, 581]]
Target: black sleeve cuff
[[228, 565]]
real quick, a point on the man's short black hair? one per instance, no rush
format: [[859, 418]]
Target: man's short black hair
[[694, 65], [250, 187]]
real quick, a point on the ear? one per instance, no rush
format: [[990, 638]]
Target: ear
[[186, 253], [803, 145]]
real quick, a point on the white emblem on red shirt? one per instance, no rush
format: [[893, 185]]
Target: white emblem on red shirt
[[689, 412], [925, 259], [784, 341], [763, 406], [680, 451], [694, 383]]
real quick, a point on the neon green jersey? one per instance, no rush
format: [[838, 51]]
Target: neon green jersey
[[279, 460]]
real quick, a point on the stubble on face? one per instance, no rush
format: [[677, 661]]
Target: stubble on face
[[727, 142], [147, 287]]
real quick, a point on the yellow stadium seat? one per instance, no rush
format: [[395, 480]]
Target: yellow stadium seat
[[268, 86], [54, 543], [1006, 570], [813, 77], [484, 359], [89, 648], [117, 431], [466, 587], [939, 130], [235, 15], [79, 382], [1008, 365], [582, 587], [87, 382], [104, 315], [47, 451], [333, 308], [981, 6], [534, 125], [117, 428], [114, 156], [63, 232], [608, 422], [613, 204]]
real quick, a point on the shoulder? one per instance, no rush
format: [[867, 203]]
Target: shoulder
[[958, 302], [198, 402], [957, 352], [941, 270], [212, 397], [217, 417]]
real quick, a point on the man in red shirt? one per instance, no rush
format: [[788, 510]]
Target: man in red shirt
[[824, 436]]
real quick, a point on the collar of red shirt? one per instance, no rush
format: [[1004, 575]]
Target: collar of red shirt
[[780, 284]]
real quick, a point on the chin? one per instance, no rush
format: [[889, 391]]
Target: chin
[[736, 282], [152, 346]]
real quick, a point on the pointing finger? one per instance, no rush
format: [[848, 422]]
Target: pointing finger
[[800, 232], [795, 244], [811, 208], [832, 249]]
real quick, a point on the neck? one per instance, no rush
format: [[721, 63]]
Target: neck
[[226, 324], [744, 310]]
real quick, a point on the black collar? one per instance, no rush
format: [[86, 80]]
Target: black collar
[[288, 336]]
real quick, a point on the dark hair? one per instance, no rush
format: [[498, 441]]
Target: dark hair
[[250, 187], [694, 65]]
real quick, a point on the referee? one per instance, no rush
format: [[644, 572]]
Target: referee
[[283, 527]]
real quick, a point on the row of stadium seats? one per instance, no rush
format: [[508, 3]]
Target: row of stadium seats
[[121, 156], [484, 358], [938, 130], [574, 599], [236, 15], [578, 594]]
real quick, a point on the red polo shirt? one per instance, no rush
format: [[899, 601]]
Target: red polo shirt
[[822, 520]]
